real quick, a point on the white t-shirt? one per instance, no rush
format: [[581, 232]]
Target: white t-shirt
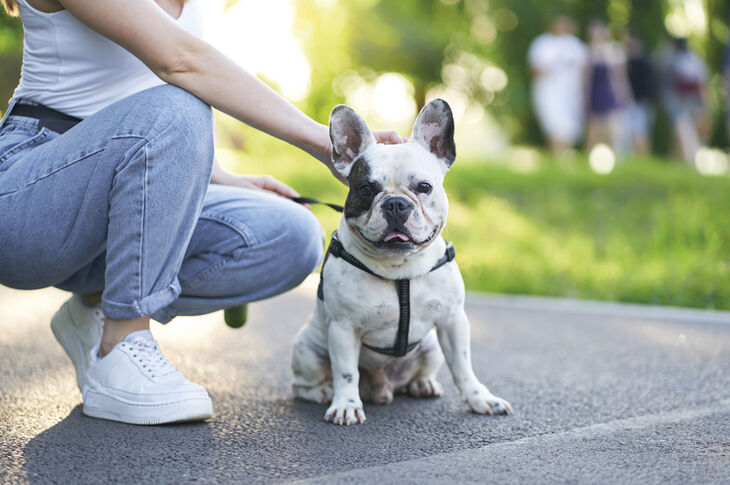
[[70, 68], [560, 61]]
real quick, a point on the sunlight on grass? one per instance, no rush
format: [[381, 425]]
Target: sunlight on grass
[[648, 232]]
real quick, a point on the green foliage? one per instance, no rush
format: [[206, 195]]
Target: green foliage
[[11, 48], [650, 232], [647, 233], [418, 38]]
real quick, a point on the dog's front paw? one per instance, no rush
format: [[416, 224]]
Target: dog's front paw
[[345, 411], [482, 401]]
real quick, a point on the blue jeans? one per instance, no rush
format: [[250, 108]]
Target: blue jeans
[[121, 203]]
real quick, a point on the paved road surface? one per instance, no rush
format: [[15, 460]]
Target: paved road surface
[[603, 393]]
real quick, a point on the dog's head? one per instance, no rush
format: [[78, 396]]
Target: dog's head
[[397, 203]]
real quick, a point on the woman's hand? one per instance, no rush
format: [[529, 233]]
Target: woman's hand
[[389, 137], [266, 183]]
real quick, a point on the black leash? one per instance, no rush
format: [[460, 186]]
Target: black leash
[[402, 287], [307, 200]]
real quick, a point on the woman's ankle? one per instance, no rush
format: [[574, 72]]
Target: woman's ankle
[[116, 330], [92, 299]]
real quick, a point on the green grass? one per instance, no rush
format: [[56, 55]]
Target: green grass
[[650, 232]]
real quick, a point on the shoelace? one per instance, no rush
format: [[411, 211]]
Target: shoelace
[[150, 357]]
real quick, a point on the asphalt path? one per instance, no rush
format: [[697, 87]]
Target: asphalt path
[[603, 393]]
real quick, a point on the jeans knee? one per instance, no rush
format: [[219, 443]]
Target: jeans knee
[[193, 122], [305, 239], [191, 110], [181, 123]]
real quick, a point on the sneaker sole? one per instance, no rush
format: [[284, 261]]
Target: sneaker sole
[[101, 406], [71, 345]]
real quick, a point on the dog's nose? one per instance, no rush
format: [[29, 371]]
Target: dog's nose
[[398, 208]]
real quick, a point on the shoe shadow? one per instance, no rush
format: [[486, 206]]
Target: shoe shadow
[[81, 449]]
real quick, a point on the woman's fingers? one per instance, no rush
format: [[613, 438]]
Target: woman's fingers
[[389, 137], [338, 175], [269, 183], [266, 183]]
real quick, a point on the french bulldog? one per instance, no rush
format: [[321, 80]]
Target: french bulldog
[[393, 217]]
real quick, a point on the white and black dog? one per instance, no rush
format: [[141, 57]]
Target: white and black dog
[[390, 232]]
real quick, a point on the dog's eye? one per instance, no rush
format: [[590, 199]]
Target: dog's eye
[[366, 190], [424, 188]]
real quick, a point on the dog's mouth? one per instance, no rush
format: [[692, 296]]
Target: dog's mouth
[[397, 239], [396, 235]]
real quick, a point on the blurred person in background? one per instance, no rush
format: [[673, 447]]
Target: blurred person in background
[[557, 59], [642, 81], [662, 55], [685, 100], [606, 88]]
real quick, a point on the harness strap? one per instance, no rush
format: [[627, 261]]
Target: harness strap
[[338, 250], [401, 347], [403, 289]]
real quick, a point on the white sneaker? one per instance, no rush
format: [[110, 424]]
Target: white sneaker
[[78, 329], [136, 384]]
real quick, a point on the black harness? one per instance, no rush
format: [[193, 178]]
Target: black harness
[[402, 287]]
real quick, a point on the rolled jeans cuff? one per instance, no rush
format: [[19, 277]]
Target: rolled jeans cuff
[[144, 307], [163, 315]]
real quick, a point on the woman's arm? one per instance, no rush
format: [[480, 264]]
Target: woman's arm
[[180, 58]]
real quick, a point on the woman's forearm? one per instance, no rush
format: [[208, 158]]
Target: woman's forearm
[[220, 82], [219, 175]]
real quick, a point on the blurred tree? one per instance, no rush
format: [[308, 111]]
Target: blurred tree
[[718, 13], [423, 39], [11, 50], [477, 47], [407, 37], [419, 38]]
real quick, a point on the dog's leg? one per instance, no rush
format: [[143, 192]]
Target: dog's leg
[[455, 343], [424, 383], [311, 368], [344, 349]]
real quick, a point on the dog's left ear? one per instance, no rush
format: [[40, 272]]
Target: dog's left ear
[[434, 131]]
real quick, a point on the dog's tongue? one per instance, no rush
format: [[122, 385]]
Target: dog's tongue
[[396, 235]]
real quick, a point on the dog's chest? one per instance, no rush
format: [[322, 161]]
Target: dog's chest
[[372, 304]]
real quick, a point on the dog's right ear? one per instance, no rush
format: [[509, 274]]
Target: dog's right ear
[[350, 137], [434, 131]]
